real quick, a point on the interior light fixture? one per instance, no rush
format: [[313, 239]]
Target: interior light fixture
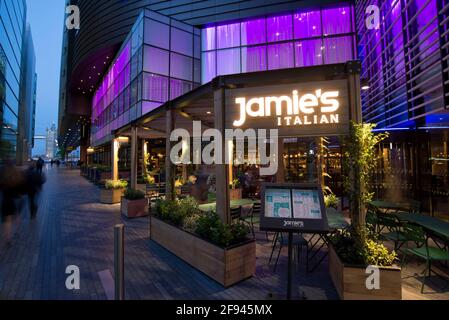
[[365, 84]]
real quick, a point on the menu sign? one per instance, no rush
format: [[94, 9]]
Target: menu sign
[[293, 207]]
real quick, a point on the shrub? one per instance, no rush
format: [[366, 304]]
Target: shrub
[[211, 228], [189, 205], [331, 201], [116, 185], [235, 184], [355, 246], [131, 194], [175, 211]]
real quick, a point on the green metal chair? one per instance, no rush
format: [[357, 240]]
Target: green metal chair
[[394, 228], [422, 250]]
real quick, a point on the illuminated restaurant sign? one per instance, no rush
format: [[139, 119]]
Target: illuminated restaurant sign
[[317, 108]]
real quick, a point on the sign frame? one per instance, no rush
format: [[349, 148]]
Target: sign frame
[[292, 224]]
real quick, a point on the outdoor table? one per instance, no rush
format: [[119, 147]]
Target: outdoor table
[[435, 228], [387, 205]]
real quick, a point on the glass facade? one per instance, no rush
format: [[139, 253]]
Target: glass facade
[[12, 30], [302, 38], [158, 62], [402, 59], [405, 60]]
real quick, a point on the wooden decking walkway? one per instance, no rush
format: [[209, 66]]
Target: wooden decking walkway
[[72, 228]]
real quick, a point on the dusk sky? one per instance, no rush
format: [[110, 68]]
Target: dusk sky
[[46, 18]]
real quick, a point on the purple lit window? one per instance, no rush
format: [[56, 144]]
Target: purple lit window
[[336, 20], [307, 24], [157, 34], [208, 39], [280, 56], [149, 106], [181, 42], [228, 61], [254, 59], [181, 67], [208, 66], [279, 28], [155, 87], [254, 32], [308, 53], [156, 60], [337, 50], [178, 88], [228, 36]]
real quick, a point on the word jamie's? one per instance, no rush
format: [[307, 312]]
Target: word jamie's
[[318, 108]]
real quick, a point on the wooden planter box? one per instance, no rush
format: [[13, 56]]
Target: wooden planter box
[[350, 281], [111, 196], [235, 194], [134, 208], [226, 266]]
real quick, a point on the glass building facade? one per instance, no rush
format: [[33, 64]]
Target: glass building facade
[[405, 60], [159, 61], [307, 37], [12, 30]]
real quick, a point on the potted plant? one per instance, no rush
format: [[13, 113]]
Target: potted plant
[[223, 252], [134, 204], [113, 191], [352, 251], [235, 192]]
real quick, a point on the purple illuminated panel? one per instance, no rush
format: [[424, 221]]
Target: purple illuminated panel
[[280, 56], [228, 36], [254, 32], [336, 20], [155, 88], [337, 50], [228, 61], [148, 106], [308, 53], [254, 59], [307, 24], [156, 60], [279, 28], [208, 66], [208, 39], [179, 87]]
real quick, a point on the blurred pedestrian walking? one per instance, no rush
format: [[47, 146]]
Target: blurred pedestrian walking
[[40, 164]]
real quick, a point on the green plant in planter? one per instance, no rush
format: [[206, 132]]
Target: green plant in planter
[[355, 246], [235, 184], [176, 211], [359, 160], [116, 185], [210, 227], [331, 201], [131, 194]]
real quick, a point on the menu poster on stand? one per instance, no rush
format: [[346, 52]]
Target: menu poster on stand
[[278, 203], [293, 207], [306, 204]]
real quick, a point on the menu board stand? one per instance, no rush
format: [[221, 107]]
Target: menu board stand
[[293, 208]]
